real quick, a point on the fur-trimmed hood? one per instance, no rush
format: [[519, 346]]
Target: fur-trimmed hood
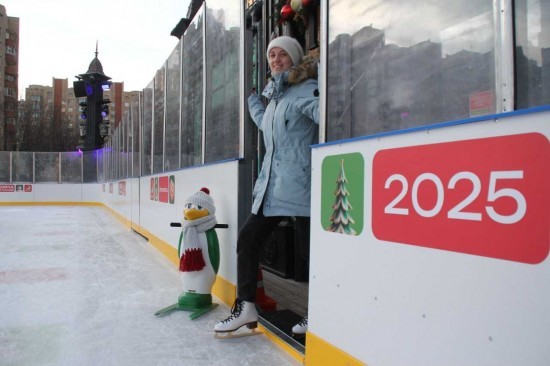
[[307, 69]]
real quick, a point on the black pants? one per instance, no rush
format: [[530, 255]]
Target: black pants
[[251, 240]]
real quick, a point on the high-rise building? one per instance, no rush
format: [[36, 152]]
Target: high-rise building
[[9, 71]]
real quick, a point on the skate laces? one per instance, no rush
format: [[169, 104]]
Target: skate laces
[[303, 322], [236, 310]]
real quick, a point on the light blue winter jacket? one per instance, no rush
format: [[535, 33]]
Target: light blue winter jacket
[[290, 126]]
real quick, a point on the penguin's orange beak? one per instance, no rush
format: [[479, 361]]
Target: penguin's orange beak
[[193, 213]]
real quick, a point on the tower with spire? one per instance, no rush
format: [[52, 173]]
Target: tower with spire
[[94, 125]]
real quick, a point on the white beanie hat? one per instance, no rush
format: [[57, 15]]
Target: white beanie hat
[[202, 198], [290, 45]]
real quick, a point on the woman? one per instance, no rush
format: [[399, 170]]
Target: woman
[[290, 125]]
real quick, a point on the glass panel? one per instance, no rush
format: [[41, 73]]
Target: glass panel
[[89, 162], [158, 133], [46, 167], [222, 80], [115, 152], [173, 84], [396, 64], [5, 166], [118, 153], [101, 168], [22, 166], [135, 112], [125, 136], [532, 21], [71, 167], [191, 102], [147, 128], [128, 118]]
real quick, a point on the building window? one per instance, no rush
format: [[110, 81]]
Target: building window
[[11, 50], [10, 92]]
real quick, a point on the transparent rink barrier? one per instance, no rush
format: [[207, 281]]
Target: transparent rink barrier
[[49, 167]]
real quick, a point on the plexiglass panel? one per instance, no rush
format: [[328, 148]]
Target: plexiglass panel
[[158, 116], [71, 167], [173, 83], [147, 129], [136, 118], [101, 167], [532, 21], [125, 139], [22, 166], [115, 154], [89, 165], [192, 93], [399, 64], [46, 167], [222, 79], [5, 166]]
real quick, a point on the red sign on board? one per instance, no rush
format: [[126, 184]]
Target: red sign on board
[[163, 189], [486, 197], [7, 187]]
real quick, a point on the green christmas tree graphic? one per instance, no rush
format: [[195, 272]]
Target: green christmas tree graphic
[[341, 218]]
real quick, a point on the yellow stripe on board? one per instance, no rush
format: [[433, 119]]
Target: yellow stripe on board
[[285, 346], [318, 351], [222, 289], [169, 251], [120, 218], [322, 353]]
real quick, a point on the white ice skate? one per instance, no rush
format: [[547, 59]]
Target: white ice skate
[[243, 313], [300, 329]]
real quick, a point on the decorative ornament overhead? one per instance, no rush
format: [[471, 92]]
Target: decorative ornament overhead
[[296, 5], [286, 12], [295, 12]]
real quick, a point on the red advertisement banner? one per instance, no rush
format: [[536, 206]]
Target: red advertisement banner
[[486, 197], [163, 189], [7, 187]]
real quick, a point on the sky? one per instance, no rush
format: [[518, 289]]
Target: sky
[[57, 38]]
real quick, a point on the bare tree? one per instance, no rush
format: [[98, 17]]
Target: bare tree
[[35, 132]]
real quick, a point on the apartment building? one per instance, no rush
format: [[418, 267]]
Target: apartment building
[[9, 71]]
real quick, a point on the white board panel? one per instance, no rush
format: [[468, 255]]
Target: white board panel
[[436, 300], [222, 181]]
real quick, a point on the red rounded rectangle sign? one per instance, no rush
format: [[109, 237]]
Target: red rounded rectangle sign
[[487, 197]]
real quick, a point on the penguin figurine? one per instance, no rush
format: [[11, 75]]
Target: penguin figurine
[[199, 255]]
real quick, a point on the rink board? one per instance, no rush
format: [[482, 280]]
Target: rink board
[[147, 203], [447, 263]]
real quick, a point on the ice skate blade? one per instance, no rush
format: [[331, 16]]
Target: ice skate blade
[[236, 334], [246, 330]]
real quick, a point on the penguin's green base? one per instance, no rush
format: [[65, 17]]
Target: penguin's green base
[[199, 304]]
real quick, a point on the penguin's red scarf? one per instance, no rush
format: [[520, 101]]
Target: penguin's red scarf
[[192, 258]]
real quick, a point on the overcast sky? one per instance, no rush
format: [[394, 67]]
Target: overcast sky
[[57, 38]]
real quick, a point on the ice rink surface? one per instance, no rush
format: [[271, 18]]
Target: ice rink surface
[[78, 288]]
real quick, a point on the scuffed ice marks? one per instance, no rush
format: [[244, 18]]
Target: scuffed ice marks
[[87, 295]]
